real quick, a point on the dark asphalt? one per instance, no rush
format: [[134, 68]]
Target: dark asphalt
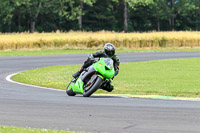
[[38, 108]]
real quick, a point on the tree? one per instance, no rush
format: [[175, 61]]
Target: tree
[[197, 10], [34, 10], [125, 15], [160, 11], [67, 9], [100, 16], [82, 2], [181, 14], [196, 4], [132, 4], [81, 14], [93, 15], [172, 14], [6, 11], [187, 14]]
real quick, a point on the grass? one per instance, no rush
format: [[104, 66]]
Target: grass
[[44, 52], [83, 51], [5, 129], [175, 77], [68, 40]]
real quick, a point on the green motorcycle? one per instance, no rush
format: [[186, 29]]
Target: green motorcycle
[[92, 78]]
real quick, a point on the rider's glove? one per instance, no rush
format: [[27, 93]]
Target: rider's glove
[[90, 56]]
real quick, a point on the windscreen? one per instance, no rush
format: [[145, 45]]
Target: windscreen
[[109, 62]]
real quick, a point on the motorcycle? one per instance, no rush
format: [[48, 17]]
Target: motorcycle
[[92, 78]]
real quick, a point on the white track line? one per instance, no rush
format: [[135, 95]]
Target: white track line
[[8, 78]]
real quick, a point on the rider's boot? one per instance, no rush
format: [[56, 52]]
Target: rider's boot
[[78, 73], [108, 86]]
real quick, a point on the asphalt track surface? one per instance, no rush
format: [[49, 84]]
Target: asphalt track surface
[[25, 106]]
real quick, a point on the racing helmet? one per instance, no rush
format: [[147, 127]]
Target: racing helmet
[[109, 49]]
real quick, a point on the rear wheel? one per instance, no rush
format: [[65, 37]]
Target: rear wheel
[[90, 89], [69, 90]]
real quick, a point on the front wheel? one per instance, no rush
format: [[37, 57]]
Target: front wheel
[[93, 87], [69, 90]]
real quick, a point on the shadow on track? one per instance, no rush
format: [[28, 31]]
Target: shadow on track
[[96, 96], [105, 97]]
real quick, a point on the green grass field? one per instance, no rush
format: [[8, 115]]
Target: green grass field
[[176, 77], [5, 129], [82, 51]]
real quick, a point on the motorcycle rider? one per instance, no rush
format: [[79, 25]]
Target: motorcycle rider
[[108, 52]]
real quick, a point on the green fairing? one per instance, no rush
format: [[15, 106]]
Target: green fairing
[[70, 86], [100, 67], [78, 86], [105, 72]]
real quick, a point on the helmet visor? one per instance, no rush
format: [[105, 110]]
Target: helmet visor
[[110, 53]]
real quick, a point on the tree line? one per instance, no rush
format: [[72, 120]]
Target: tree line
[[95, 15]]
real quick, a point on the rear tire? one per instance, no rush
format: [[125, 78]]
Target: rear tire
[[69, 90], [93, 88]]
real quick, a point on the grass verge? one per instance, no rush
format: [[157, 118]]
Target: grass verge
[[175, 77], [83, 51], [5, 129]]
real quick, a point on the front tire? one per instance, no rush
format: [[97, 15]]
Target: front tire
[[93, 88], [69, 90]]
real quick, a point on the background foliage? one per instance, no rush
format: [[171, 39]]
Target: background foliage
[[95, 15]]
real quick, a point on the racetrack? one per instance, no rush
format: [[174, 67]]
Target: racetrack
[[39, 108]]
